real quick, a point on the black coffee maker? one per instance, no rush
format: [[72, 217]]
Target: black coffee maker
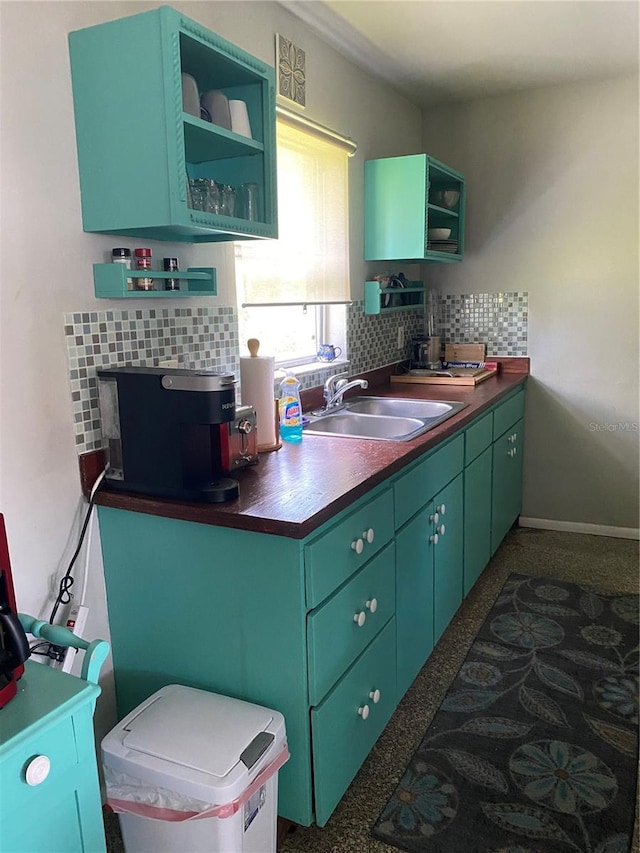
[[161, 430]]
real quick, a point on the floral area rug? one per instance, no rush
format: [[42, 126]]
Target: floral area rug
[[535, 746]]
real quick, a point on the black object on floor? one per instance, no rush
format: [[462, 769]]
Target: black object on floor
[[535, 746]]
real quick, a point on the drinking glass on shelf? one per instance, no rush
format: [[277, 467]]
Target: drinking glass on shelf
[[198, 193], [214, 202], [249, 201], [228, 200]]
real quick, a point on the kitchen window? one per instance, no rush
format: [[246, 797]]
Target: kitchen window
[[292, 291]]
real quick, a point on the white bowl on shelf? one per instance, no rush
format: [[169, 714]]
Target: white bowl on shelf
[[439, 233], [445, 198]]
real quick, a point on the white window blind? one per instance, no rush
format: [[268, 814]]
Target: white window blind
[[309, 262]]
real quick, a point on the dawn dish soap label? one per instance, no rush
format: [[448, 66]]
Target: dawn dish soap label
[[290, 409]]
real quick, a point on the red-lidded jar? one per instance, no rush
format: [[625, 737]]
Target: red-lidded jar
[[143, 262]]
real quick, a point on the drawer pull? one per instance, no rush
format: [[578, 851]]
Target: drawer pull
[[434, 538], [37, 770], [375, 696], [363, 711], [435, 518], [360, 618], [441, 530], [512, 437], [368, 535], [357, 545], [441, 509], [372, 604]]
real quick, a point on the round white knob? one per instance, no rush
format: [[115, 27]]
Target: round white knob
[[375, 696], [372, 604], [435, 518], [37, 770], [434, 538], [441, 530], [441, 509], [357, 545], [368, 535], [360, 618], [363, 711]]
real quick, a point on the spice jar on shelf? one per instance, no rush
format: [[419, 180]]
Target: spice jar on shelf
[[143, 262], [171, 265], [123, 256]]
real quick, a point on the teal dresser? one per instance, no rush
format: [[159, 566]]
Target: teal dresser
[[48, 771]]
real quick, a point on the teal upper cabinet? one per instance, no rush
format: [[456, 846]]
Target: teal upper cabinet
[[405, 199], [140, 151]]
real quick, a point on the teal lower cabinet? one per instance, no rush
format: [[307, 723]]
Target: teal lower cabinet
[[428, 554], [414, 596], [477, 518], [448, 552], [507, 482], [330, 630], [48, 771]]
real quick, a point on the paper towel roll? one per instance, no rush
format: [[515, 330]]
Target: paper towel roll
[[256, 389]]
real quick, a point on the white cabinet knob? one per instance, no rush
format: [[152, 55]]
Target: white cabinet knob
[[434, 538], [360, 618], [37, 770], [372, 604], [363, 711], [441, 509], [374, 695], [368, 535], [357, 545], [441, 530], [435, 518]]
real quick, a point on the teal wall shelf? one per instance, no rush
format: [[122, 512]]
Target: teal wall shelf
[[110, 282], [386, 300]]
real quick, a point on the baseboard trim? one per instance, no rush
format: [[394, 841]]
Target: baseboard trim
[[580, 527]]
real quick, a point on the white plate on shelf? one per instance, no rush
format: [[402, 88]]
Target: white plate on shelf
[[216, 104], [190, 95]]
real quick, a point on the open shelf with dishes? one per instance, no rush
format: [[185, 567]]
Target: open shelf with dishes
[[386, 300], [144, 140], [429, 223]]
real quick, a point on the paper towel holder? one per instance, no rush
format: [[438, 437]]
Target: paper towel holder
[[253, 345]]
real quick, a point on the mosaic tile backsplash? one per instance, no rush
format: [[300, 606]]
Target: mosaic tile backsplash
[[207, 338]]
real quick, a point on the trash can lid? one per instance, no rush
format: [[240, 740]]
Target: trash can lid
[[196, 729]]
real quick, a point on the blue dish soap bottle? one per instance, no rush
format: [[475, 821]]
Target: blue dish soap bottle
[[290, 408]]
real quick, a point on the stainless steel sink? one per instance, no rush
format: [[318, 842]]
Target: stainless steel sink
[[382, 418]]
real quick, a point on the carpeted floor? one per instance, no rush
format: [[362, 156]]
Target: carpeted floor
[[607, 563]]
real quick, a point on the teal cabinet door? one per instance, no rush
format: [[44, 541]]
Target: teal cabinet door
[[477, 518], [414, 596], [448, 554], [507, 482]]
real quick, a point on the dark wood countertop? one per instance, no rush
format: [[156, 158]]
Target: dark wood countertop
[[293, 490]]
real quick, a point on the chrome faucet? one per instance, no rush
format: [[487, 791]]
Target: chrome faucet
[[336, 386]]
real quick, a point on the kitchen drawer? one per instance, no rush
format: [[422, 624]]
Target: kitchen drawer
[[507, 413], [414, 489], [58, 743], [478, 437], [337, 554], [349, 721], [341, 628]]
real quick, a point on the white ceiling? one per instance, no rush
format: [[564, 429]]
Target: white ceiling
[[434, 51]]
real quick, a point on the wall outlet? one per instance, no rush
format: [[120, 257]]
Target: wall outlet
[[169, 362], [400, 337]]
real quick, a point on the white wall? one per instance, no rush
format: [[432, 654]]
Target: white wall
[[552, 208], [47, 259]]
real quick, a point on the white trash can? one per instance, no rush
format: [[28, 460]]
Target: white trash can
[[190, 771]]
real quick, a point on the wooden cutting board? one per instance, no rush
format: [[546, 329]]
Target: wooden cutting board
[[461, 376], [465, 352]]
